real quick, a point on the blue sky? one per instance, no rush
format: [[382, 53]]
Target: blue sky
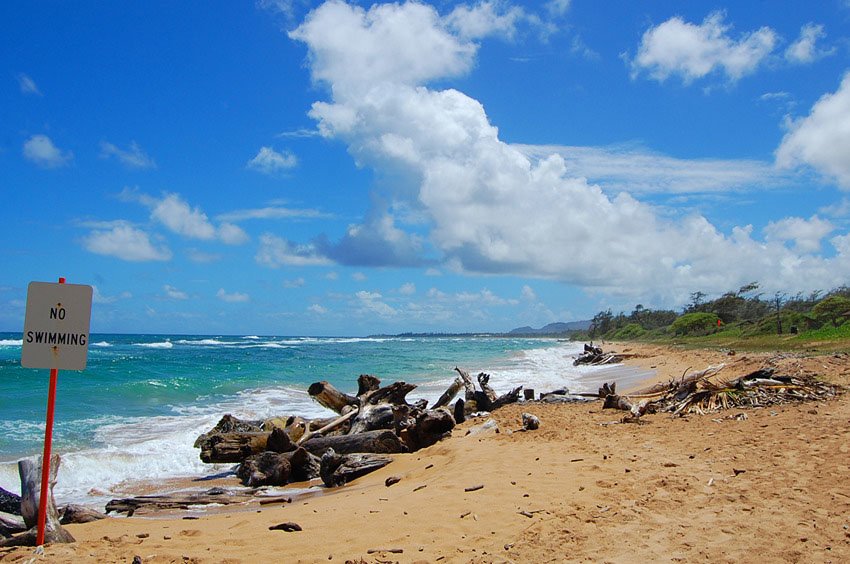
[[346, 168]]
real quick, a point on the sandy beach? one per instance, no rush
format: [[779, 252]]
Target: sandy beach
[[770, 486]]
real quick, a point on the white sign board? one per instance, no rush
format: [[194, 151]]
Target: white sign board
[[56, 326]]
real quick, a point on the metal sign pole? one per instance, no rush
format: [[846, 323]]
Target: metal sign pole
[[45, 459]]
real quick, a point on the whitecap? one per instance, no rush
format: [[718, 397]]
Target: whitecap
[[159, 345]]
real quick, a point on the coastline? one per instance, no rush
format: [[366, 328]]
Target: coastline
[[771, 486]]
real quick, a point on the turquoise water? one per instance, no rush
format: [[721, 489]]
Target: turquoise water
[[137, 408]]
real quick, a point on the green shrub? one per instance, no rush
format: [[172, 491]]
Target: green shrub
[[630, 331], [695, 324]]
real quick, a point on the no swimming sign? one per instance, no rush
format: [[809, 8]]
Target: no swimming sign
[[56, 326]]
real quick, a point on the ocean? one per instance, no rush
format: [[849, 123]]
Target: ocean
[[135, 411]]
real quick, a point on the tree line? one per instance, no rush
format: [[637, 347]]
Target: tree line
[[745, 311]]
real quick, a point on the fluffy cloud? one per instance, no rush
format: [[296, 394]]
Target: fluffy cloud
[[804, 50], [822, 139], [234, 297], [371, 303], [677, 47], [269, 161], [494, 208], [484, 19], [41, 150], [806, 234], [133, 157], [126, 243], [275, 252], [179, 217]]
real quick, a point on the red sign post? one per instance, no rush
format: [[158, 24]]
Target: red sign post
[[56, 335]]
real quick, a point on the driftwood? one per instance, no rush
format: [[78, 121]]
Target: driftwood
[[449, 394], [484, 400], [9, 502], [11, 524], [702, 392], [75, 514], [178, 500], [328, 396], [593, 356], [339, 469], [30, 472], [379, 441], [278, 469], [231, 447]]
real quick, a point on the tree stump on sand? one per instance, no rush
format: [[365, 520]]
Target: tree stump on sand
[[30, 472]]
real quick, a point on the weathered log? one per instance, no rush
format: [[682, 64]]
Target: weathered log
[[432, 426], [74, 514], [467, 384], [232, 447], [178, 500], [339, 469], [265, 469], [333, 424], [11, 524], [328, 396], [382, 441], [10, 502], [367, 383], [509, 397], [279, 441], [459, 412], [449, 394], [230, 424], [278, 469], [392, 394], [372, 417], [30, 472], [484, 383]]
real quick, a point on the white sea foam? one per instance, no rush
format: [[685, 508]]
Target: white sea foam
[[11, 342], [206, 342], [101, 344], [159, 345], [252, 337]]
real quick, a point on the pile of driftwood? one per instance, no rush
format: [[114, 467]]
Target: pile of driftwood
[[593, 356], [368, 427], [19, 514], [703, 392]]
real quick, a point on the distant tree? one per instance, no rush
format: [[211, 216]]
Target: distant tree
[[697, 299], [835, 308], [601, 323], [778, 300]]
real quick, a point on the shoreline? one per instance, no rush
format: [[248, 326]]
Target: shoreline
[[767, 486]]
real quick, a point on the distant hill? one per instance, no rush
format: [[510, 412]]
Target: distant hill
[[558, 328]]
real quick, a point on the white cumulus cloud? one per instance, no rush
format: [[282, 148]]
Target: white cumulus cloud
[[125, 242], [677, 47], [40, 150], [822, 139], [275, 252], [269, 161], [805, 50]]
